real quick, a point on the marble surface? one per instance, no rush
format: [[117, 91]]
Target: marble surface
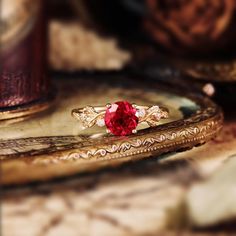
[[138, 199]]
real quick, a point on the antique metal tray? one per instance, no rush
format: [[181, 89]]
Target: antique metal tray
[[212, 70], [53, 144], [218, 71]]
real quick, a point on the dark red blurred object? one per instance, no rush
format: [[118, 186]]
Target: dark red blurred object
[[196, 27], [191, 28], [23, 50]]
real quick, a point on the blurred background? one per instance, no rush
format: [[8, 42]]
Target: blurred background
[[195, 38]]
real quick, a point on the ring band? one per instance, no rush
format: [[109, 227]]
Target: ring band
[[121, 118]]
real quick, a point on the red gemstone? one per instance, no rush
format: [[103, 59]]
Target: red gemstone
[[120, 118]]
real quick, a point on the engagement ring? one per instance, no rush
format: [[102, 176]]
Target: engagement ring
[[120, 118]]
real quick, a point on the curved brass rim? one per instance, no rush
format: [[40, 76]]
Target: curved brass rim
[[208, 70], [27, 109], [79, 157], [205, 69]]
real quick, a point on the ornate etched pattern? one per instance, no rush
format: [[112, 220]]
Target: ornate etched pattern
[[176, 135], [173, 136], [157, 142], [41, 158]]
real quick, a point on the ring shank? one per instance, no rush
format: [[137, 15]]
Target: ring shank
[[89, 115], [104, 108]]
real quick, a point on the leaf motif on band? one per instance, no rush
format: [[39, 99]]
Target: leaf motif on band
[[88, 117], [153, 115]]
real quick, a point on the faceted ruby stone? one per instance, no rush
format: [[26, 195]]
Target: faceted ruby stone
[[120, 118]]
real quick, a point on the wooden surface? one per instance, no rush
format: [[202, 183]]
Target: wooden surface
[[139, 199]]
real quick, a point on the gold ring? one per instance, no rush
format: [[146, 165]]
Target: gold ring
[[120, 118]]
